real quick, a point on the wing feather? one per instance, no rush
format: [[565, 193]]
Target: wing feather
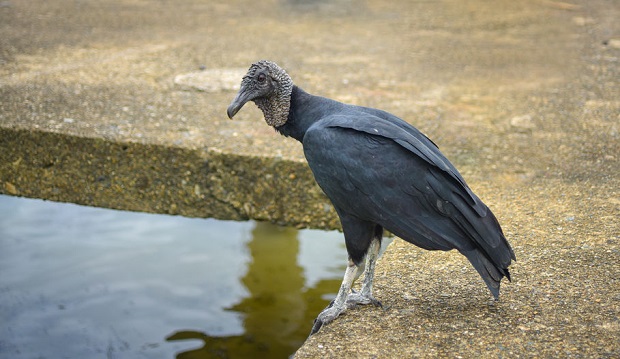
[[411, 139], [397, 177]]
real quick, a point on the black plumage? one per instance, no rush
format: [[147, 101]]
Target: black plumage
[[379, 172]]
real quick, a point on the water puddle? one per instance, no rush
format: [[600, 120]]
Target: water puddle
[[81, 282]]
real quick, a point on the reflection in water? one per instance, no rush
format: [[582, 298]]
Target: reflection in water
[[275, 282], [279, 311], [82, 282]]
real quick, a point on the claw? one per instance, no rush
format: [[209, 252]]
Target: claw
[[326, 316], [316, 326]]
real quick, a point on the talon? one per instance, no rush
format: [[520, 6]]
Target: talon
[[327, 315], [316, 326]]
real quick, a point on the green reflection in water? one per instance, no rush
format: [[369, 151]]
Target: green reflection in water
[[279, 311]]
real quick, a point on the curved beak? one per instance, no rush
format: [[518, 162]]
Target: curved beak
[[243, 96]]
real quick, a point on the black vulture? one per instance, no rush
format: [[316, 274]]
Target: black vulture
[[379, 173]]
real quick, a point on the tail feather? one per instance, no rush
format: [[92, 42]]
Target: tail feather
[[491, 274]]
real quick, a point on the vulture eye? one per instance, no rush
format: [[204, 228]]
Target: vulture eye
[[261, 77]]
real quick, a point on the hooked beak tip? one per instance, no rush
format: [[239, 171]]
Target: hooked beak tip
[[237, 103], [231, 112]]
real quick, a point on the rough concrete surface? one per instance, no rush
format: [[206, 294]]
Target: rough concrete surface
[[523, 96]]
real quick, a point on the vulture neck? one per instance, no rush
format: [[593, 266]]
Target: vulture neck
[[305, 110]]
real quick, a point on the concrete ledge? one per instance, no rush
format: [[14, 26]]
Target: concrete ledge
[[161, 179]]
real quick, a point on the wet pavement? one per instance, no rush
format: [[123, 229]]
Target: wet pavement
[[522, 96]]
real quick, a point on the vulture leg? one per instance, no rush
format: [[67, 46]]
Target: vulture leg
[[338, 305], [364, 296]]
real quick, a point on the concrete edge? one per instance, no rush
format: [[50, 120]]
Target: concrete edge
[[155, 178]]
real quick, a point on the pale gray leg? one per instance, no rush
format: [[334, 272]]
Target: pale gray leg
[[338, 305], [364, 296]]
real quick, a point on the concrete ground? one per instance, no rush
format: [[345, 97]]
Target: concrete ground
[[523, 96]]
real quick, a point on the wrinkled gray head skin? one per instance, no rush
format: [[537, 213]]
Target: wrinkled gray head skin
[[270, 87]]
